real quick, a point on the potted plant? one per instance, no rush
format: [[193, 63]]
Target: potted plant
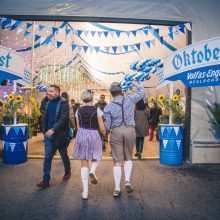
[[35, 112], [11, 104], [14, 135], [215, 110], [173, 104], [171, 134]]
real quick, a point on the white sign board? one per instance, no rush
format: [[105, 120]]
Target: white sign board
[[195, 65], [11, 64], [161, 81], [26, 80]]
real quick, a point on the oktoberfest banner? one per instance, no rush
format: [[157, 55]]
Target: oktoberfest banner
[[197, 65]]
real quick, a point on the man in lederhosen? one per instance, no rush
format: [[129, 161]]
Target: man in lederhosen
[[119, 118]]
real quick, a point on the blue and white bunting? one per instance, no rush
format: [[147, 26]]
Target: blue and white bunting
[[118, 33], [114, 48], [73, 47], [41, 27], [107, 49], [79, 32], [100, 34], [67, 31], [106, 33], [85, 48], [37, 37], [59, 44], [134, 33], [93, 33], [126, 48], [29, 25], [138, 45], [85, 33]]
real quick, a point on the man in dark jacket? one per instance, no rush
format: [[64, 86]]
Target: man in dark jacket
[[56, 133]]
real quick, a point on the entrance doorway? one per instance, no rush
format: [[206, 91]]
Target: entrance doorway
[[91, 55]]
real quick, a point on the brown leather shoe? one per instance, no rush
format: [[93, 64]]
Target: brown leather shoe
[[43, 184], [67, 175]]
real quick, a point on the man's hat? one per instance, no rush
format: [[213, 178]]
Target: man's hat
[[115, 87]]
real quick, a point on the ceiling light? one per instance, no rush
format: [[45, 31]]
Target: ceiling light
[[60, 7]]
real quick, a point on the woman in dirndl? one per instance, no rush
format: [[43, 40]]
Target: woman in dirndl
[[88, 142]]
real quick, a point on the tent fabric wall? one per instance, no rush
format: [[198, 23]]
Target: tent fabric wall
[[203, 14]]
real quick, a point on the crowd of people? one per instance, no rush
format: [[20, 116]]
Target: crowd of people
[[123, 121]]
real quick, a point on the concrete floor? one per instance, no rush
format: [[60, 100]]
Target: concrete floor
[[161, 192]]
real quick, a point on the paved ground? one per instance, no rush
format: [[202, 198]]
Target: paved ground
[[161, 192]]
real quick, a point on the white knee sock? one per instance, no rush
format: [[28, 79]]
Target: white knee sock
[[85, 178], [127, 169], [94, 166], [117, 177]]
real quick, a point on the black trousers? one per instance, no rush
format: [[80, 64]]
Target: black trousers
[[139, 144]]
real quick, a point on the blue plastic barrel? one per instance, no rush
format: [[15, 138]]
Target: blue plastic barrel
[[171, 144], [15, 145]]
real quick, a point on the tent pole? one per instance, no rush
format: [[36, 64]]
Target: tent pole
[[15, 90], [32, 54], [171, 113], [65, 76], [54, 56]]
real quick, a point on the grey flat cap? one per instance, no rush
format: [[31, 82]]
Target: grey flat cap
[[115, 87]]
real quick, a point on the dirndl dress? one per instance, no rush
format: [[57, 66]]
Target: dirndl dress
[[88, 142]]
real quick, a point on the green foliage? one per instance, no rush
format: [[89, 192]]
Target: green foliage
[[22, 118], [215, 110], [35, 109]]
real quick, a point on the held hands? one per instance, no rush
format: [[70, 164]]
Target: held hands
[[104, 136], [49, 133]]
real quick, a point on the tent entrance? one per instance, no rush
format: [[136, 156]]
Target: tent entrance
[[89, 53]]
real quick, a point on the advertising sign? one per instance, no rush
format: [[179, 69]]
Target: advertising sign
[[11, 64], [197, 65]]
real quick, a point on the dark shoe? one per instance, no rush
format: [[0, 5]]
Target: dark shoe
[[111, 153], [67, 175], [150, 139], [116, 193], [139, 156], [44, 184], [93, 178], [136, 155], [128, 187]]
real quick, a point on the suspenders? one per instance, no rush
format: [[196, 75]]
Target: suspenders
[[122, 108]]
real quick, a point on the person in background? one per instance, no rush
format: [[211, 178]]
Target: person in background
[[42, 110], [141, 116], [74, 106], [154, 119], [101, 104], [119, 118], [88, 143], [56, 134], [71, 114]]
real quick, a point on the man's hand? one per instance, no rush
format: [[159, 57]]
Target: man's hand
[[134, 84], [49, 133]]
